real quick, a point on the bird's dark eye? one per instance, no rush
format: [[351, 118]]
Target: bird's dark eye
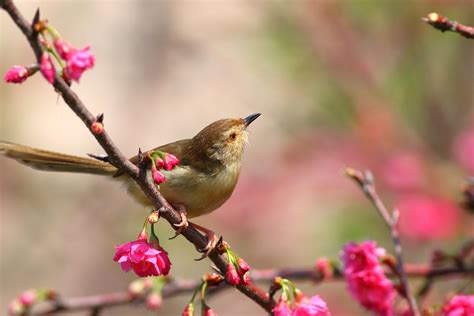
[[233, 136]]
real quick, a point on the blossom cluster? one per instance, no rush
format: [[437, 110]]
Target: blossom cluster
[[72, 61], [161, 160], [365, 277]]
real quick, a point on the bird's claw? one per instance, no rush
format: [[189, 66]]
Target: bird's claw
[[212, 243], [181, 226]]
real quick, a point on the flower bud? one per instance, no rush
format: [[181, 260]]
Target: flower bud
[[47, 67], [189, 310], [158, 176], [208, 311], [243, 266], [136, 288], [170, 161], [324, 267], [64, 48], [27, 298], [16, 74], [154, 301], [16, 308], [246, 279], [233, 278], [153, 217], [97, 128], [282, 308]]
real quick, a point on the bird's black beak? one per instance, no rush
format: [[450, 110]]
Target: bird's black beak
[[252, 117]]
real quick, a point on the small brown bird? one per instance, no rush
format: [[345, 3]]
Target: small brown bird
[[204, 179]]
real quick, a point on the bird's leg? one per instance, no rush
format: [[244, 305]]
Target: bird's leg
[[213, 241], [184, 220]]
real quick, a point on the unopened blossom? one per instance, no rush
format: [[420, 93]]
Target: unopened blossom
[[189, 310], [158, 176], [27, 298], [16, 74], [145, 260], [459, 305], [246, 279], [426, 217], [324, 266], [97, 128], [366, 279], [232, 276], [64, 48], [78, 62], [314, 306], [243, 266], [170, 161], [282, 308], [208, 311], [154, 301], [47, 67]]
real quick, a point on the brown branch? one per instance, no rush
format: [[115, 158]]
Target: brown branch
[[443, 24], [117, 159], [180, 286], [366, 182]]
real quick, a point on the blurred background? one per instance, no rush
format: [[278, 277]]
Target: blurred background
[[362, 83]]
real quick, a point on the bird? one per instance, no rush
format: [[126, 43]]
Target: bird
[[207, 173]]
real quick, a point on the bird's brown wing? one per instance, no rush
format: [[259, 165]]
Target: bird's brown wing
[[176, 148]]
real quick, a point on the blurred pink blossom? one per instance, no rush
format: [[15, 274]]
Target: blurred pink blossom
[[459, 305], [282, 308], [464, 149], [315, 306], [403, 171], [366, 279], [145, 260], [424, 217]]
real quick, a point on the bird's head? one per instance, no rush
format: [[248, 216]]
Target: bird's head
[[224, 140]]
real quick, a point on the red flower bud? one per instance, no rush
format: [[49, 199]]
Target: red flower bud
[[170, 161], [243, 266], [233, 278], [158, 176], [97, 128], [189, 310], [154, 301], [209, 312], [16, 74], [64, 48], [27, 298], [47, 67], [246, 278]]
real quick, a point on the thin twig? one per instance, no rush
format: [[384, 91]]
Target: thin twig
[[443, 24], [183, 286], [122, 163], [366, 182]]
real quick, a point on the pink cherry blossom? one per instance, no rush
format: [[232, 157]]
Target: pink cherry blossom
[[363, 256], [282, 308], [425, 217], [315, 306], [79, 61], [145, 260], [459, 305], [365, 277], [47, 67], [16, 74]]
